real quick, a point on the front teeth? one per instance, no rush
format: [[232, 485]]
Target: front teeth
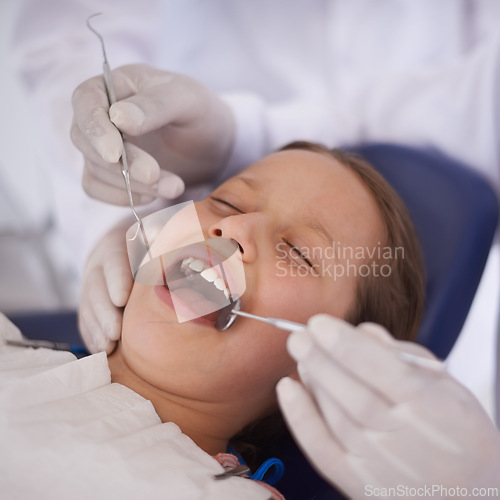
[[197, 265], [185, 264], [208, 273], [219, 284]]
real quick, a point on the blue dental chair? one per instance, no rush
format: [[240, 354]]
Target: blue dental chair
[[455, 213]]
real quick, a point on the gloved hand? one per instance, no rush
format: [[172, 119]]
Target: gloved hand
[[174, 127], [107, 283], [368, 419]]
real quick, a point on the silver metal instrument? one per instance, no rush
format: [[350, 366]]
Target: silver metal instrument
[[110, 91], [47, 344], [283, 324], [228, 315], [239, 470]]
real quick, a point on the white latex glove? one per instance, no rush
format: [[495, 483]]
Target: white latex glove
[[107, 283], [174, 127], [367, 419]]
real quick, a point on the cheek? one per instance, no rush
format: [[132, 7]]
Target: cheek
[[290, 296], [140, 332], [154, 344], [341, 279], [297, 298]]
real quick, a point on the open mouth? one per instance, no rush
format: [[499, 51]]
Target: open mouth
[[199, 278], [197, 283]]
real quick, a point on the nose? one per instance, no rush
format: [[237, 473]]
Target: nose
[[245, 229]]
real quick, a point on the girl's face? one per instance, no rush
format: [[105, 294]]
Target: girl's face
[[289, 199]]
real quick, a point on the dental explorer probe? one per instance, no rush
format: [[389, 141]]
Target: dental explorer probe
[[110, 91], [283, 324], [228, 314], [48, 344]]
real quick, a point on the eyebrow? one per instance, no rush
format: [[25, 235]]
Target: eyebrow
[[251, 183], [316, 226]]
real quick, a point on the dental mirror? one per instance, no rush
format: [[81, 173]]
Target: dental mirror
[[228, 314]]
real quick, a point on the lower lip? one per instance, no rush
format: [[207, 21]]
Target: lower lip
[[164, 295]]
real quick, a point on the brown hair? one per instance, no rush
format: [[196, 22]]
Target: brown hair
[[395, 302]]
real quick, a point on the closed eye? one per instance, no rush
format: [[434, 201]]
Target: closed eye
[[224, 202], [298, 252]]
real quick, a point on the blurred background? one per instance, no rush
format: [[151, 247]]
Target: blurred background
[[47, 229], [47, 224]]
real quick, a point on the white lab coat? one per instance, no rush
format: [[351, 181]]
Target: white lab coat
[[420, 72]]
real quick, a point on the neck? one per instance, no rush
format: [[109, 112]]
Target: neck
[[209, 425]]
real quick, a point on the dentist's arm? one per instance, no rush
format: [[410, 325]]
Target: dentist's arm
[[367, 419]]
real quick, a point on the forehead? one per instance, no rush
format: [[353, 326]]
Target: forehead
[[299, 169], [309, 184]]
